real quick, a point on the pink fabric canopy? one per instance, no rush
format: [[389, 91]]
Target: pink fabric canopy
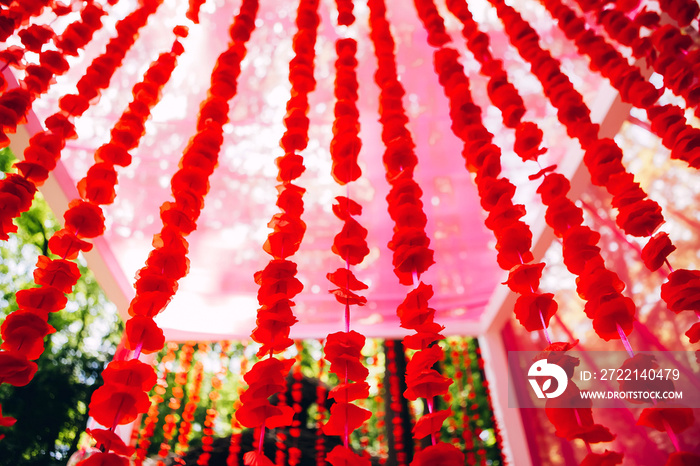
[[218, 298]]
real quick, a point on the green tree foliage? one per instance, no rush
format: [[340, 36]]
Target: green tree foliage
[[51, 410]]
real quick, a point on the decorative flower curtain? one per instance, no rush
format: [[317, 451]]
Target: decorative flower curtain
[[420, 173]]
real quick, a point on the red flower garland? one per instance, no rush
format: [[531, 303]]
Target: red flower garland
[[212, 412], [17, 14], [155, 284], [277, 281], [193, 399], [321, 396], [681, 138], [343, 349], [532, 309], [178, 393], [44, 149], [345, 14], [235, 444], [23, 331], [394, 397], [151, 421], [412, 256]]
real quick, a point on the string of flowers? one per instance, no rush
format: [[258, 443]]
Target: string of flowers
[[343, 350], [410, 244], [666, 48], [682, 11], [394, 397], [487, 393], [17, 14], [214, 396], [379, 404], [295, 429], [345, 12], [44, 149], [680, 284], [185, 357], [321, 396], [675, 133], [118, 403], [39, 77], [149, 425], [235, 444], [278, 284], [23, 330], [681, 138], [532, 309], [193, 399]]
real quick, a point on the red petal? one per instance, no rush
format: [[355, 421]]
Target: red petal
[[15, 369], [607, 458], [84, 219], [110, 441], [525, 278], [341, 456], [144, 331], [441, 454], [253, 458], [104, 459], [347, 392], [23, 332], [58, 273], [430, 423], [66, 245], [531, 309], [676, 416], [131, 373], [345, 414]]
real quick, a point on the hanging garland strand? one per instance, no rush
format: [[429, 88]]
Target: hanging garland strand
[[23, 331], [185, 356], [44, 149], [214, 396], [278, 284], [124, 394], [18, 14], [343, 350], [666, 49], [39, 77], [193, 399], [682, 139], [151, 422], [533, 310], [412, 256], [638, 215], [235, 445]]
